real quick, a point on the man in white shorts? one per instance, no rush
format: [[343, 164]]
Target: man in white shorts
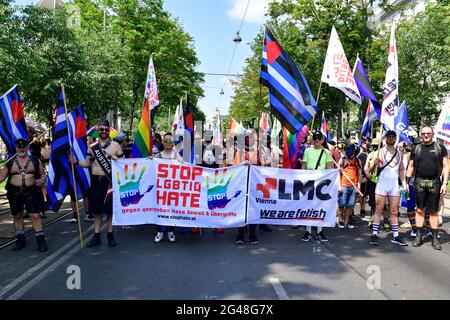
[[390, 168]]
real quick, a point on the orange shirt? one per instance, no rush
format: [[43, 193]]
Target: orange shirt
[[350, 168]]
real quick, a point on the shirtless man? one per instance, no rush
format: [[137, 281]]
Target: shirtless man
[[26, 177], [100, 182], [390, 169]]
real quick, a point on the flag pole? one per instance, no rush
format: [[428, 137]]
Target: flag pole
[[73, 169], [317, 102]]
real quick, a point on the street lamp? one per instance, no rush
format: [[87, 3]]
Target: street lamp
[[237, 38]]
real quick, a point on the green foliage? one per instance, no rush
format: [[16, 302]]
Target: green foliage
[[302, 27], [103, 68]]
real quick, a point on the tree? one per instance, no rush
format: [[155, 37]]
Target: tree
[[145, 28], [424, 69], [302, 27]]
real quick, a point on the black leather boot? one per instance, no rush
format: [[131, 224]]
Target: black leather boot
[[95, 241], [42, 246], [435, 241], [111, 241], [418, 241], [20, 243]]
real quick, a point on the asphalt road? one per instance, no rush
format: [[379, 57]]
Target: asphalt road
[[211, 267]]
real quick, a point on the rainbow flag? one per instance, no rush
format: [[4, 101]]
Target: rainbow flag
[[291, 147], [143, 141]]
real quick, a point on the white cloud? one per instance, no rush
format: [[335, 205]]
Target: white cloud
[[255, 11]]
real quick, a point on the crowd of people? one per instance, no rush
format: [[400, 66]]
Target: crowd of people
[[380, 173]]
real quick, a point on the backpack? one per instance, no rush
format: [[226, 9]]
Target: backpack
[[437, 153]]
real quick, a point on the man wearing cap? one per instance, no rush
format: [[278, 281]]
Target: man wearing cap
[[26, 176], [316, 158], [99, 159], [351, 175], [390, 168], [428, 164]]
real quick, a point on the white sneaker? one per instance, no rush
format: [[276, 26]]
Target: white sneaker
[[171, 237], [341, 225], [367, 219], [413, 234], [159, 237]]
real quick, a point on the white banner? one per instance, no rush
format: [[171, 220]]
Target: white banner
[[389, 108], [167, 192], [293, 197], [442, 129], [336, 70]]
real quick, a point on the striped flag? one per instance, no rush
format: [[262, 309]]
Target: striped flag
[[217, 134], [336, 70], [178, 129], [264, 124], [151, 88], [274, 134], [371, 116], [402, 124], [324, 128], [234, 127], [291, 147], [12, 120], [77, 134], [291, 100], [143, 141], [188, 149], [390, 105], [58, 174], [364, 85]]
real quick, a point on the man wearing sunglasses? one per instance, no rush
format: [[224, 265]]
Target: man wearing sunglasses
[[427, 164], [316, 158], [99, 159]]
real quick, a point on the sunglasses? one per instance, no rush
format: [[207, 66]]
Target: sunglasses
[[168, 141], [316, 139], [103, 130]]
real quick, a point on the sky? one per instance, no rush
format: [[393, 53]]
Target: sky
[[213, 25]]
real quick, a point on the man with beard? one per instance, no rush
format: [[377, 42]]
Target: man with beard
[[428, 163], [390, 169], [99, 159], [25, 179]]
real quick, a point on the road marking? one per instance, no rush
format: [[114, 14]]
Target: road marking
[[41, 264], [19, 293], [281, 293]]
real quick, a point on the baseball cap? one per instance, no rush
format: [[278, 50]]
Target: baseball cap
[[390, 133], [317, 135], [21, 143], [121, 137]]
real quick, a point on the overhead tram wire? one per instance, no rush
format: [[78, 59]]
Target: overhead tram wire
[[234, 50]]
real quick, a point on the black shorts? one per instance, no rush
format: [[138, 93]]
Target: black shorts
[[97, 196], [427, 193], [20, 198]]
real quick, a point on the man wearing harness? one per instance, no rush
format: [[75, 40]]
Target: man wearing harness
[[99, 159], [427, 164], [390, 169], [26, 177]]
